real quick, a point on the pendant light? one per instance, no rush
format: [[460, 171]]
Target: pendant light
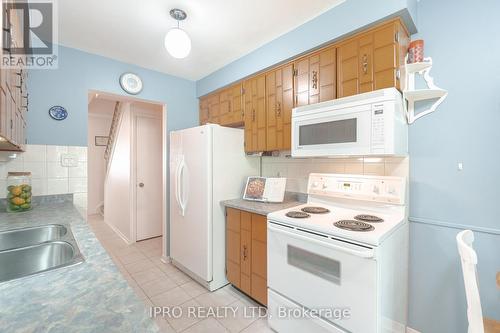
[[177, 41]]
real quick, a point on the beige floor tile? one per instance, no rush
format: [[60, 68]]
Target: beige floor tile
[[244, 315], [158, 286], [172, 297], [208, 325], [156, 252], [164, 326], [193, 288], [258, 326], [179, 277], [145, 276], [131, 257], [219, 297], [187, 318], [139, 266]]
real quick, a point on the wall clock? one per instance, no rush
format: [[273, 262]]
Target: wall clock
[[131, 83], [58, 112]]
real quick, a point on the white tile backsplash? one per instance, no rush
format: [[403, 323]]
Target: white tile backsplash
[[297, 170], [54, 153], [47, 173]]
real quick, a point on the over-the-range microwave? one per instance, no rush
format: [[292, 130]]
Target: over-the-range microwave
[[371, 123]]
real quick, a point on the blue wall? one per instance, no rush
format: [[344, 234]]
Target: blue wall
[[80, 72], [346, 18], [462, 39]]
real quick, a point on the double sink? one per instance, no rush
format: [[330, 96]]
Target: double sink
[[33, 250]]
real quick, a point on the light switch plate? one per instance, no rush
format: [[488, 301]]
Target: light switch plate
[[69, 160]]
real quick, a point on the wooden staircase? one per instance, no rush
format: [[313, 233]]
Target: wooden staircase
[[113, 131]]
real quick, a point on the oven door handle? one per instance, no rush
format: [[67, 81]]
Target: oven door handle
[[368, 253]]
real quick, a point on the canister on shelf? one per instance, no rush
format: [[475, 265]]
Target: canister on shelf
[[18, 191], [416, 51]]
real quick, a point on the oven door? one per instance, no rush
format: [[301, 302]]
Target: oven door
[[321, 273], [333, 132]]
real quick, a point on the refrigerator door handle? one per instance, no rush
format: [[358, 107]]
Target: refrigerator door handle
[[180, 186]]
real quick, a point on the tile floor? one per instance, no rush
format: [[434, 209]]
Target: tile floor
[[159, 284]]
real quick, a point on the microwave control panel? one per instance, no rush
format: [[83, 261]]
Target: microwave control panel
[[372, 188]]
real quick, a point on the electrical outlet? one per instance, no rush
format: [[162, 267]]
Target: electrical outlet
[[69, 160]]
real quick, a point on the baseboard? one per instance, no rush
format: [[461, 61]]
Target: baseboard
[[166, 259], [118, 232], [411, 330]]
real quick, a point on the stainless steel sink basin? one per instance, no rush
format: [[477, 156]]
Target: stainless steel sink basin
[[16, 238], [38, 258], [37, 249]]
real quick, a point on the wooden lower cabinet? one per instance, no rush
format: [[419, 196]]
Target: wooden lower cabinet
[[246, 253]]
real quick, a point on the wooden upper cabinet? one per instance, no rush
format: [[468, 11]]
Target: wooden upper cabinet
[[225, 115], [279, 104], [255, 113], [371, 60], [315, 77], [203, 110], [224, 107], [214, 108], [237, 104]]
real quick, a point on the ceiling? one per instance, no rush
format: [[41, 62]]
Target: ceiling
[[221, 31]]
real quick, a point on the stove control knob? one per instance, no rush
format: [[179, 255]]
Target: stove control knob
[[325, 186], [315, 184], [376, 189]]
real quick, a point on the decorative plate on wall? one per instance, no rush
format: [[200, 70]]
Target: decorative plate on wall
[[131, 83], [58, 112]]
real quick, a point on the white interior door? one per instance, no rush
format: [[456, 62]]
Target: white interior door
[[148, 177]]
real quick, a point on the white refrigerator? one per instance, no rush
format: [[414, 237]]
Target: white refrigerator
[[207, 165]]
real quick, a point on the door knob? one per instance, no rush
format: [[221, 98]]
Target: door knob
[[141, 184]]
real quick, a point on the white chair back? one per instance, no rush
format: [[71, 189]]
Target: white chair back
[[469, 261]]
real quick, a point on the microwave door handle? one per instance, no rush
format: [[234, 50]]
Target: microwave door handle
[[368, 253]]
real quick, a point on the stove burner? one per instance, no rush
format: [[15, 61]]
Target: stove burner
[[353, 225], [368, 218], [297, 215], [315, 210]]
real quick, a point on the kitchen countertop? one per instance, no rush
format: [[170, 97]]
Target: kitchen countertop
[[264, 208], [91, 296]]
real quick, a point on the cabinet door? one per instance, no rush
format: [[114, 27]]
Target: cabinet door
[[371, 60], [390, 45], [213, 109], [3, 113], [348, 68], [259, 258], [237, 104], [225, 115], [384, 57], [315, 77], [279, 103], [246, 253], [203, 110], [233, 246], [255, 114]]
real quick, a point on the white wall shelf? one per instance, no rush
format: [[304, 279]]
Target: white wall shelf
[[412, 95]]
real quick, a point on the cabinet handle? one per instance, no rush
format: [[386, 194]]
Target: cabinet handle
[[245, 252], [365, 63], [253, 114], [315, 80], [11, 124], [278, 109]]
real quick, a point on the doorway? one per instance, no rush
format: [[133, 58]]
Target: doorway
[[127, 163]]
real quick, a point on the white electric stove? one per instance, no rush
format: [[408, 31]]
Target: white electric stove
[[341, 259]]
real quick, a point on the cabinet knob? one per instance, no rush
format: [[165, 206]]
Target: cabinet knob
[[141, 184]]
